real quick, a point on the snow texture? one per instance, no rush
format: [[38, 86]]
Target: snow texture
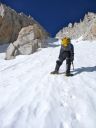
[[30, 97]]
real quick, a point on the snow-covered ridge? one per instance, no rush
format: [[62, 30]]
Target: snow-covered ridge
[[32, 98]]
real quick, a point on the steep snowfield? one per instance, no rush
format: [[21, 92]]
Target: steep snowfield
[[30, 97]]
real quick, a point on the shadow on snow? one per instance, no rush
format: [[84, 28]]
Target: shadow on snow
[[84, 69]]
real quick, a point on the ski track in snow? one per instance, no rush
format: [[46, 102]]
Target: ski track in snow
[[30, 97]]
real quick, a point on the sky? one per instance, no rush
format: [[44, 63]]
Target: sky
[[30, 97], [53, 15]]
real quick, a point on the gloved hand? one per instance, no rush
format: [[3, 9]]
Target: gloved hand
[[72, 58]]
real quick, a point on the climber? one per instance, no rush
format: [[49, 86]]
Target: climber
[[66, 52]]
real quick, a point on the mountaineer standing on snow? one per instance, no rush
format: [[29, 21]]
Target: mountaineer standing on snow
[[66, 52]]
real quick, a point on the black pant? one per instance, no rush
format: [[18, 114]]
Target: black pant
[[65, 55]]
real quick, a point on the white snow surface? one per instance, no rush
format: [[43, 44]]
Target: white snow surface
[[30, 97]]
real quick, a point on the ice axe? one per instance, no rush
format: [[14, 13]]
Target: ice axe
[[72, 65]]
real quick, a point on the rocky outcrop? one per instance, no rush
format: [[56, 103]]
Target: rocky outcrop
[[24, 34], [11, 23], [29, 40], [85, 28]]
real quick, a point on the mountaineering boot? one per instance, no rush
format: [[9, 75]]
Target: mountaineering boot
[[68, 65], [54, 72], [68, 70], [56, 69], [68, 74]]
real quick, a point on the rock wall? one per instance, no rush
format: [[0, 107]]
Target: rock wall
[[29, 40], [85, 28], [11, 23]]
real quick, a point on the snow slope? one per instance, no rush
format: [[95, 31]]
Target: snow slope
[[30, 97]]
